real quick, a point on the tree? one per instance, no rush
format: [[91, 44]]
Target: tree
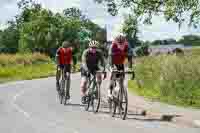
[[36, 29], [193, 40], [143, 50], [130, 29], [156, 42], [73, 13], [174, 10], [9, 38]]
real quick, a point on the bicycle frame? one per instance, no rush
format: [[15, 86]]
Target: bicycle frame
[[92, 82], [65, 84], [120, 96]]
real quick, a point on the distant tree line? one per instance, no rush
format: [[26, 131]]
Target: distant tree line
[[36, 29]]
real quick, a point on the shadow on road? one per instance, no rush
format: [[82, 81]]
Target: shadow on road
[[133, 115], [74, 105]]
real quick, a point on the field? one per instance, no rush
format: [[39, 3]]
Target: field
[[169, 78]]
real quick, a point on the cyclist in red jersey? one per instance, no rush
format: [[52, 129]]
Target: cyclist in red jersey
[[64, 60], [118, 53]]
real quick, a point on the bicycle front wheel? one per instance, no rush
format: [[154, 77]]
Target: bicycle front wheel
[[96, 99], [88, 104], [123, 103], [67, 89]]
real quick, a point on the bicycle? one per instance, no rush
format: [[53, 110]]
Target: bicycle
[[119, 94], [94, 93], [64, 85]]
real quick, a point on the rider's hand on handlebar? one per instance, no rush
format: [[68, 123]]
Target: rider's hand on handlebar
[[104, 75]]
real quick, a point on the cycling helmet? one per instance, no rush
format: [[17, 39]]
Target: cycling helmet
[[120, 38], [65, 44], [93, 44]]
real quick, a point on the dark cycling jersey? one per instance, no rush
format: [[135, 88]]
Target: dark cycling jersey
[[92, 58]]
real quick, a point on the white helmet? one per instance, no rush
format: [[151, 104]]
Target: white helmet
[[93, 43]]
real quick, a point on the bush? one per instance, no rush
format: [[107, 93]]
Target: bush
[[143, 50], [174, 79]]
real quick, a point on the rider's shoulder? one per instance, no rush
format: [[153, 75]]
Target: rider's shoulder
[[86, 51]]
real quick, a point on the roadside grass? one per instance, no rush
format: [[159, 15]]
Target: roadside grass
[[169, 78], [25, 67], [15, 67]]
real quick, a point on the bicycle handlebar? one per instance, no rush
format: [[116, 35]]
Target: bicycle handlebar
[[123, 72]]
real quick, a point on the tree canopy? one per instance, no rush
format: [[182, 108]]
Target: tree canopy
[[130, 29], [175, 10], [39, 29]]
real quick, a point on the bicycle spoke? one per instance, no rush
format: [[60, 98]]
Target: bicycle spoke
[[96, 99], [123, 103]]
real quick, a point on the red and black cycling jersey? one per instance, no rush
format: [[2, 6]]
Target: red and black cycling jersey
[[118, 52], [65, 56]]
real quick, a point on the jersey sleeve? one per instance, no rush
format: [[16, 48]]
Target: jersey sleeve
[[83, 58], [57, 55], [102, 59], [58, 52]]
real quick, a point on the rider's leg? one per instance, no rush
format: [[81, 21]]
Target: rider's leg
[[99, 78], [68, 76], [58, 74], [83, 86], [111, 85]]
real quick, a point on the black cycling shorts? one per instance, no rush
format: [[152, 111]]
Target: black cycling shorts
[[66, 67], [120, 67], [91, 70]]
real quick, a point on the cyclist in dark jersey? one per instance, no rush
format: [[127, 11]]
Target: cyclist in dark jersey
[[92, 61]]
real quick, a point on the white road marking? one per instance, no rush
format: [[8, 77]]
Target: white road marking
[[27, 115]]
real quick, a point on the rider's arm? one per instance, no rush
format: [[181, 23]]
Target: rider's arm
[[130, 56], [102, 60], [84, 55], [110, 56], [57, 56]]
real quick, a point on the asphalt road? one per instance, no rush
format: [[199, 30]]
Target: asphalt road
[[33, 107]]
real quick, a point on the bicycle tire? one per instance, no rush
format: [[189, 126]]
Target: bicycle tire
[[112, 107], [88, 104], [123, 99], [67, 91], [97, 98], [62, 91]]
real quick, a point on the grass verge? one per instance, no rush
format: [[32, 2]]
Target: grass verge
[[21, 72], [169, 78]]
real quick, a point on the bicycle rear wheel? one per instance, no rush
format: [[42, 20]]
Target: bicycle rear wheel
[[67, 95], [96, 99], [62, 91], [123, 103], [112, 107]]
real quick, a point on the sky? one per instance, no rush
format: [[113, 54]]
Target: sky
[[98, 14]]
